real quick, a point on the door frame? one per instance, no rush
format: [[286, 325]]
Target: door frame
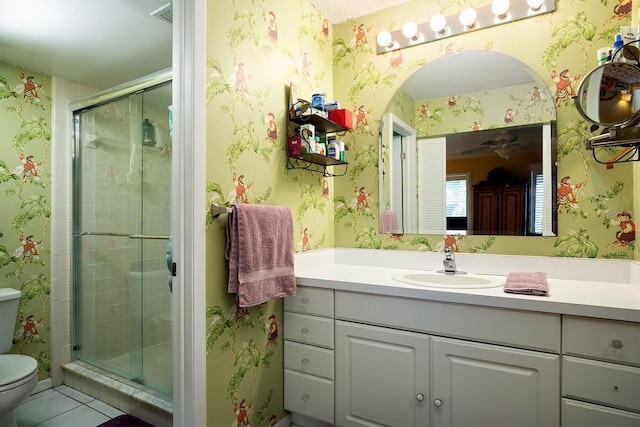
[[188, 209]]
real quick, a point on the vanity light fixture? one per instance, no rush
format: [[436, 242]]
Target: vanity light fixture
[[535, 5], [385, 40], [410, 31], [470, 19], [439, 26], [500, 8]]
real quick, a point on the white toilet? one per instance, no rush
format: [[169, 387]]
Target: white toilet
[[18, 373]]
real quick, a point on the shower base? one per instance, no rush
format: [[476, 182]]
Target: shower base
[[129, 397]]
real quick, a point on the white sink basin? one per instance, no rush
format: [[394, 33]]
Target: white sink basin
[[440, 280]]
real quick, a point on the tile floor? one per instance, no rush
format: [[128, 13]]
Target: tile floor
[[63, 407]]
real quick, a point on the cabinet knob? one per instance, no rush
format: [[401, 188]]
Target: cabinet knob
[[304, 361], [419, 397], [304, 330], [304, 300], [617, 344], [437, 403], [304, 397]]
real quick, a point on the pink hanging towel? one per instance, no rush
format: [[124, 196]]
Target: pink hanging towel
[[527, 283], [260, 253], [388, 221]]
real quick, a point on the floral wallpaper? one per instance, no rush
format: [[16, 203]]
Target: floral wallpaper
[[260, 52], [25, 185], [499, 108]]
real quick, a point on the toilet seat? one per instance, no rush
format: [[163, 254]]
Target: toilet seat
[[16, 369]]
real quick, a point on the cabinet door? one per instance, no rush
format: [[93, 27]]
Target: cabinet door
[[382, 377], [485, 211], [486, 385], [512, 211]]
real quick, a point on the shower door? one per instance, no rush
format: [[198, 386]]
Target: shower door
[[122, 196]]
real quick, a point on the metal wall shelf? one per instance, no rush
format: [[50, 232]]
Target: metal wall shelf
[[312, 161]]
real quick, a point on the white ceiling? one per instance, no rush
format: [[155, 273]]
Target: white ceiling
[[103, 43], [100, 43], [468, 72]]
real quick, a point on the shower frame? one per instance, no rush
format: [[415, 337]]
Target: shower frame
[[122, 92]]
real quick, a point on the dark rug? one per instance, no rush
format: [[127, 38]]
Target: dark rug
[[125, 421]]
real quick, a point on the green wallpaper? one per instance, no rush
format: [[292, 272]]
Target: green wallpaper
[[25, 189], [595, 203], [482, 110], [257, 50]]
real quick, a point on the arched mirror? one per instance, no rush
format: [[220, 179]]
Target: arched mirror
[[467, 146]]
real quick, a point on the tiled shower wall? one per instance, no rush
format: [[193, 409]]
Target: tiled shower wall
[[63, 92]]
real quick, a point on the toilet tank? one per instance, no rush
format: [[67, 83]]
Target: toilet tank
[[9, 299]]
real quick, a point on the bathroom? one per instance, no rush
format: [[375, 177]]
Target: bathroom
[[305, 54]]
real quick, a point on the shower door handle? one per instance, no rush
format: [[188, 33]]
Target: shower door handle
[[99, 233], [131, 236], [148, 236]]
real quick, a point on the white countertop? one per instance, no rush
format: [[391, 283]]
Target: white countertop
[[613, 294]]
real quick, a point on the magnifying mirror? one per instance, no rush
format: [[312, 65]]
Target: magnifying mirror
[[609, 95]]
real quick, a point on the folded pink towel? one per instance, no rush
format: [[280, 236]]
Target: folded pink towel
[[260, 253], [534, 283], [388, 221]]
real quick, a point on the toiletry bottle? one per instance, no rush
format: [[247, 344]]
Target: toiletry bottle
[[334, 150], [603, 55], [341, 147], [321, 148], [617, 52], [148, 133]]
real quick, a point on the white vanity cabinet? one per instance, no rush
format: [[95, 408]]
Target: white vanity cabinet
[[600, 372], [308, 332], [408, 362], [382, 376], [475, 384]]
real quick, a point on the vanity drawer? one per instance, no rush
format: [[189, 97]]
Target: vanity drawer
[[308, 329], [310, 396], [308, 359], [582, 414], [601, 339], [530, 330], [311, 301], [601, 382]]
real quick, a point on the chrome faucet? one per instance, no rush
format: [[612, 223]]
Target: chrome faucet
[[449, 261]]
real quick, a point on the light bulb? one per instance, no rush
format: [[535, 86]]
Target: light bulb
[[500, 8], [410, 30], [535, 4], [468, 17], [438, 23], [385, 39]]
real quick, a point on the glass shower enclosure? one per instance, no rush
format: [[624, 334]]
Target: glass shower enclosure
[[121, 224]]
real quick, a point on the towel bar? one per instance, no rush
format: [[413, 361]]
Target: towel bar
[[218, 210]]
